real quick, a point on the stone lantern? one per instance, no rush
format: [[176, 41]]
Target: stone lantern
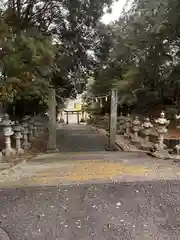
[[162, 124], [127, 124], [178, 119], [177, 147], [30, 130], [25, 131], [136, 126], [121, 122], [147, 129], [35, 131], [18, 136], [8, 132]]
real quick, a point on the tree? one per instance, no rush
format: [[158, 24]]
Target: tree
[[143, 60], [36, 26], [58, 36], [23, 56]]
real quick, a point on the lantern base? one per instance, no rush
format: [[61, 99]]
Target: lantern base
[[9, 152], [19, 151], [146, 146], [26, 146]]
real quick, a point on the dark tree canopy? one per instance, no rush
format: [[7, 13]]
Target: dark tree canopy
[[141, 54], [47, 43]]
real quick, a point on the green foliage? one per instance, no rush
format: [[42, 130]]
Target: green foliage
[[143, 55], [47, 43]]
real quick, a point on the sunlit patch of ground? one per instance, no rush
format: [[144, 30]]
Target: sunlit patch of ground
[[67, 170], [82, 172]]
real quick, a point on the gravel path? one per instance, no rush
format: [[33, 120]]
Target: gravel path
[[138, 211]]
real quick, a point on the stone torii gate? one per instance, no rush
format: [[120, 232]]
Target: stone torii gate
[[73, 107], [67, 112]]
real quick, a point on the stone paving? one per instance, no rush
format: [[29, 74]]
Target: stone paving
[[80, 138], [60, 169], [89, 165], [86, 193]]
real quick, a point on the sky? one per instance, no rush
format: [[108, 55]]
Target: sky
[[117, 8]]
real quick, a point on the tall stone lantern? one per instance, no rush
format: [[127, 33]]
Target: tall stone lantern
[[177, 147], [147, 130], [8, 132], [162, 124], [136, 126], [18, 136], [25, 131], [127, 125]]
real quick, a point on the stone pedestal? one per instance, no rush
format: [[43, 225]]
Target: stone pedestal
[[162, 124], [18, 136], [26, 145], [136, 126], [127, 126], [8, 132], [147, 129]]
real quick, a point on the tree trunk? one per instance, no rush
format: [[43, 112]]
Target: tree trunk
[[52, 119]]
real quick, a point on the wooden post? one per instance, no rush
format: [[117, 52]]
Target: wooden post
[[52, 118], [113, 120]]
